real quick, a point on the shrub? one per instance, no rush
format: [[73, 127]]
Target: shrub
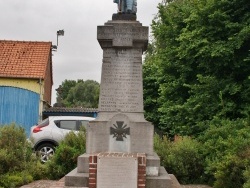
[[14, 149], [14, 180], [229, 172], [66, 154], [37, 169], [226, 146], [17, 164], [162, 147], [247, 178], [182, 158]]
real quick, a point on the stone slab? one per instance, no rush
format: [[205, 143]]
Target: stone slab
[[83, 163], [153, 160], [120, 16], [175, 182], [153, 165], [76, 179], [152, 171], [161, 181], [114, 172]]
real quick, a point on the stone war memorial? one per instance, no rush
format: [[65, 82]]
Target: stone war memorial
[[119, 148]]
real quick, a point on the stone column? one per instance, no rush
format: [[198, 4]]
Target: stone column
[[123, 43], [120, 125]]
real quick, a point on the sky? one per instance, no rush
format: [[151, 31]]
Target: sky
[[79, 55]]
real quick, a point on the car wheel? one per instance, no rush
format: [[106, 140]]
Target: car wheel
[[46, 151]]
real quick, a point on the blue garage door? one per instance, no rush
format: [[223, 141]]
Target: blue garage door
[[19, 106]]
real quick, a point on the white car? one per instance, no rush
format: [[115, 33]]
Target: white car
[[47, 135]]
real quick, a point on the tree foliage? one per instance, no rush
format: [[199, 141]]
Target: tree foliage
[[197, 67], [80, 93], [226, 149]]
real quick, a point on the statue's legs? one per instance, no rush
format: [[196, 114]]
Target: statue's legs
[[123, 5], [129, 4], [134, 10]]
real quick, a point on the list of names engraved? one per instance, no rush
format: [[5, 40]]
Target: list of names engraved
[[122, 33], [114, 172], [121, 83]]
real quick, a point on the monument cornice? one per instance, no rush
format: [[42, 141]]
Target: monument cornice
[[123, 34]]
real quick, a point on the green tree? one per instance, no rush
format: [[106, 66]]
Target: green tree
[[65, 87], [81, 93], [201, 51], [151, 86]]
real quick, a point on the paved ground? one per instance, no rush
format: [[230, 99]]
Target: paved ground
[[45, 184], [195, 186], [60, 184]]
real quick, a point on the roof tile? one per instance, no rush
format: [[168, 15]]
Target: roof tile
[[24, 59]]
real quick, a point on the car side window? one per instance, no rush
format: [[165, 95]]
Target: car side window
[[83, 123], [68, 124]]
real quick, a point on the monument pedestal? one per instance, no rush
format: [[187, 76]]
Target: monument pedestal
[[120, 133], [119, 148], [154, 176]]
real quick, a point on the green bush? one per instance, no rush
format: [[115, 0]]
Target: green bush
[[14, 149], [247, 178], [14, 180], [37, 169], [18, 165], [162, 147], [66, 154], [225, 146], [182, 158]]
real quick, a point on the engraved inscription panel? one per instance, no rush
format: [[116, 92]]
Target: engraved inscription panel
[[122, 34], [117, 172], [121, 82], [105, 32]]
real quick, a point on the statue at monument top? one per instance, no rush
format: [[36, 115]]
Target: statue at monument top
[[126, 6]]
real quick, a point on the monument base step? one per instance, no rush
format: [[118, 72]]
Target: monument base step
[[83, 162], [157, 176], [164, 180], [74, 187], [76, 179], [175, 182]]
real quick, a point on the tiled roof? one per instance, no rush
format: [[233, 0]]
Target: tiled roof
[[21, 59], [64, 109]]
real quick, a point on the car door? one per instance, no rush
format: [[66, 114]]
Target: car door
[[83, 123], [65, 126]]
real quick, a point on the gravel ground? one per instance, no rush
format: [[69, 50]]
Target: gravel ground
[[45, 184], [195, 186], [60, 184]]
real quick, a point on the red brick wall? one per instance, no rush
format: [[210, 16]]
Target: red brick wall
[[141, 170], [92, 170], [48, 82]]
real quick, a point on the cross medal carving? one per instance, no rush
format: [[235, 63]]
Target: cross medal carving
[[119, 131]]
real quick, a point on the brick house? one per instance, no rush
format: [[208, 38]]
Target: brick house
[[25, 81]]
